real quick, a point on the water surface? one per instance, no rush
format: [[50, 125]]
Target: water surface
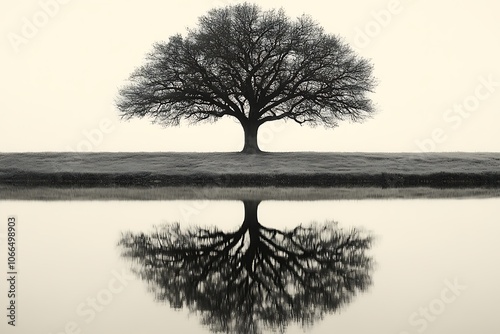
[[434, 265]]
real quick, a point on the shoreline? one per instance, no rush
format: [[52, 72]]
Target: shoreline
[[298, 180], [140, 175], [243, 193]]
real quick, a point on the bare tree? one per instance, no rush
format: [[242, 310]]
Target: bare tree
[[256, 66], [254, 276]]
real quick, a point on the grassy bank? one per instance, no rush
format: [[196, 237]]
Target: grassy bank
[[217, 193], [383, 180], [298, 169]]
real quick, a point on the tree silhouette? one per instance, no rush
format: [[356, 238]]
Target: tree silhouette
[[255, 275], [255, 66]]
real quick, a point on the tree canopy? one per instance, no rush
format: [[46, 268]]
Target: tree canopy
[[254, 276], [255, 66]]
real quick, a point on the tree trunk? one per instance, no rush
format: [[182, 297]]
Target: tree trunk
[[251, 211], [252, 225], [251, 144]]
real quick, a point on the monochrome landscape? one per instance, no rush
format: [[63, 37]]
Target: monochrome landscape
[[250, 167]]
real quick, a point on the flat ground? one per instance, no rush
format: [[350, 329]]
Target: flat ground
[[237, 163], [298, 169]]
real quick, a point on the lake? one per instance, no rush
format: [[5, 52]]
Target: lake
[[378, 266]]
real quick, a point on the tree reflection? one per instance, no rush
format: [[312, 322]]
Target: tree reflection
[[255, 276]]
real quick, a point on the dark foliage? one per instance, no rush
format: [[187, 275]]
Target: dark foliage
[[255, 276], [253, 65]]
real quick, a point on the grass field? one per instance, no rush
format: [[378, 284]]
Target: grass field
[[234, 163], [299, 169]]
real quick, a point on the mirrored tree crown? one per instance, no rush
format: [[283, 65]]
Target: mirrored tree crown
[[255, 276]]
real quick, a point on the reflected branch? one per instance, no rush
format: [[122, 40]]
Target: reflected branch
[[255, 276]]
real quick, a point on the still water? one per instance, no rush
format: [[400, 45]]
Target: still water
[[369, 266]]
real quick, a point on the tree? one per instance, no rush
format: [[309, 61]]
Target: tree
[[255, 66], [254, 276]]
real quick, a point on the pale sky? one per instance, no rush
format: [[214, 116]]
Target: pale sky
[[63, 61]]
